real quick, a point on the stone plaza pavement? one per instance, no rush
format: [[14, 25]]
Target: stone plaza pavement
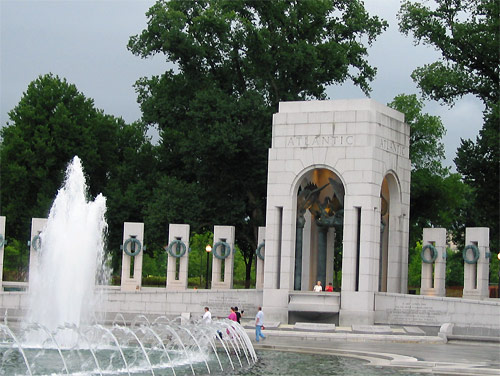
[[410, 349]]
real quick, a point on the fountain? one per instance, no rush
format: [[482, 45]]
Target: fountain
[[72, 254], [61, 334]]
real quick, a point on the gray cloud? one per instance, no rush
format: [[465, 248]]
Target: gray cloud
[[85, 42]]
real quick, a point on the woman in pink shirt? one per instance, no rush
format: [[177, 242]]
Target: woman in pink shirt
[[232, 315]]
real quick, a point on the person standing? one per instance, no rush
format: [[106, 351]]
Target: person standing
[[259, 324], [207, 316], [238, 315], [329, 288]]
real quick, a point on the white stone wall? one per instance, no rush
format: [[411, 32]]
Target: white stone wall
[[14, 304], [157, 301], [399, 309]]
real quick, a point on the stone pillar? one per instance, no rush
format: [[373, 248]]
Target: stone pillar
[[178, 240], [361, 251], [275, 297], [394, 253], [330, 256], [223, 234], [3, 242], [476, 272], [287, 263], [132, 251], [273, 241], [259, 267], [321, 265], [405, 239], [299, 241], [37, 226], [434, 285], [307, 282]]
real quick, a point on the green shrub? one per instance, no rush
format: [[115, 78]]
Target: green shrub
[[154, 281]]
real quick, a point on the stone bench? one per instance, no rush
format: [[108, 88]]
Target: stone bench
[[306, 301], [449, 331]]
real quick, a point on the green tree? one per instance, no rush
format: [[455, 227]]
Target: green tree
[[415, 266], [53, 122], [235, 60], [454, 268], [437, 196], [130, 185], [467, 33], [479, 164], [172, 201], [16, 258], [198, 258], [426, 132]]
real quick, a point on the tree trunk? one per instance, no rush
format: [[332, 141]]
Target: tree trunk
[[248, 272]]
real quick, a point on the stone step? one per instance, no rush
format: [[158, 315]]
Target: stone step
[[371, 329], [414, 330], [314, 327]]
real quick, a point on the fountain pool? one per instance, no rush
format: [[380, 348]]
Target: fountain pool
[[60, 334], [163, 347]]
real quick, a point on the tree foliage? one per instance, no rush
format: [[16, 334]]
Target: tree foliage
[[53, 122], [467, 33], [285, 49], [235, 60], [479, 164], [131, 181], [437, 196], [426, 132]]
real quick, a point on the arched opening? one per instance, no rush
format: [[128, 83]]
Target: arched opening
[[319, 230], [384, 231], [390, 256]]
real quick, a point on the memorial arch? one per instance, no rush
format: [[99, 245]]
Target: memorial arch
[[339, 166]]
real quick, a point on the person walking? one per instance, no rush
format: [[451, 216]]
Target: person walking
[[207, 316], [232, 316], [259, 325]]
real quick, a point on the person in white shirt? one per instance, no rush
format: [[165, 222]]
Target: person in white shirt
[[318, 287], [207, 316], [259, 324]]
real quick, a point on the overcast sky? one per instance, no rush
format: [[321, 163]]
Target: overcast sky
[[85, 42]]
